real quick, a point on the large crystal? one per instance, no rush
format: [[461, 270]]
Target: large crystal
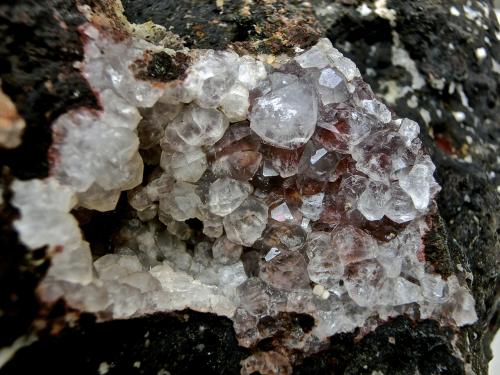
[[286, 117]]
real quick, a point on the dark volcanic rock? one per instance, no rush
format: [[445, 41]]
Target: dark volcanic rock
[[184, 343], [39, 43]]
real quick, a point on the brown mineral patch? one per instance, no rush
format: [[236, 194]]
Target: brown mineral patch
[[11, 123], [162, 66]]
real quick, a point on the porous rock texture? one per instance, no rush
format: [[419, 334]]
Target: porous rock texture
[[402, 50]]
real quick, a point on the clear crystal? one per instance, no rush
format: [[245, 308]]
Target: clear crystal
[[285, 117]]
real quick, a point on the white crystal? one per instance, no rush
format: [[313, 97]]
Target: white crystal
[[285, 117], [186, 166], [196, 126], [113, 266], [372, 202], [182, 202], [272, 253], [235, 103], [378, 109], [398, 291], [318, 254], [250, 72], [409, 130], [419, 182], [226, 194], [44, 207]]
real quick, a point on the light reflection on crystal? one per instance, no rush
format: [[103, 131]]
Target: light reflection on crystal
[[310, 196]]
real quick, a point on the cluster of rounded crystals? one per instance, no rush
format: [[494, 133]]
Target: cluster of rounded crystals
[[283, 187], [96, 152]]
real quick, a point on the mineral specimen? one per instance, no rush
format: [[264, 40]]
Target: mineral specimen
[[280, 188]]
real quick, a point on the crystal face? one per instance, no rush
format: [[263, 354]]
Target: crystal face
[[286, 117], [268, 189]]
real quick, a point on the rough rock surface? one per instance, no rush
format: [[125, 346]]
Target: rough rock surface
[[465, 236]]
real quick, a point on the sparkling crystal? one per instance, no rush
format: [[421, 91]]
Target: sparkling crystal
[[400, 207], [409, 130], [285, 117], [281, 213], [312, 206], [418, 183], [331, 87], [196, 126], [329, 193], [373, 200]]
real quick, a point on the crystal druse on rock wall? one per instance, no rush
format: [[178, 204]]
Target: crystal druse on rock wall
[[274, 189]]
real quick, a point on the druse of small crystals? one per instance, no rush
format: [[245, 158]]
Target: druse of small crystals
[[310, 195]]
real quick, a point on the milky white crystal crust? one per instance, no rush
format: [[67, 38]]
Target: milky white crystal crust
[[313, 198]]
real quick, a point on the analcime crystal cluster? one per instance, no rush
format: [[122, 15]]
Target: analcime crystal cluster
[[273, 184]]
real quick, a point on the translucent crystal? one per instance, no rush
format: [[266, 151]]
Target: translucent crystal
[[285, 117], [281, 213], [284, 162], [186, 166], [363, 280], [245, 224], [373, 200], [325, 268], [250, 72], [235, 103], [196, 126], [226, 194], [312, 205], [182, 202], [279, 80], [287, 271], [253, 296], [376, 109], [353, 245], [409, 130], [225, 251], [419, 182], [211, 77], [331, 87], [398, 291], [319, 56], [400, 208], [241, 165]]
